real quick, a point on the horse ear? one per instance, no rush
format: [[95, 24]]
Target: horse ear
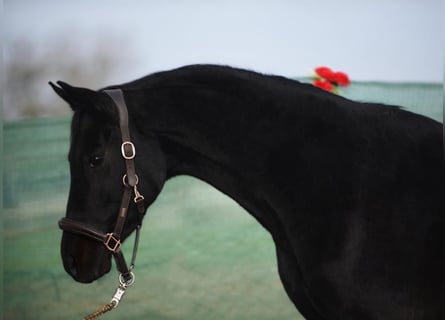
[[95, 102], [77, 98]]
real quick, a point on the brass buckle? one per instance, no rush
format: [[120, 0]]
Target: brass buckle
[[112, 243]]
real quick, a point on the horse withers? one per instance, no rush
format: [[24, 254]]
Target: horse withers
[[351, 193]]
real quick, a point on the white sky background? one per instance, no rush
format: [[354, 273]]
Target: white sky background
[[383, 40]]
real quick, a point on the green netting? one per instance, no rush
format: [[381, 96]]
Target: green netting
[[422, 98], [426, 99], [201, 255]]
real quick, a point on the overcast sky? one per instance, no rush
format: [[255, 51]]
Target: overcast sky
[[389, 40]]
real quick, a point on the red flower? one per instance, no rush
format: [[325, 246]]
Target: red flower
[[324, 72], [323, 84], [329, 80], [341, 79]]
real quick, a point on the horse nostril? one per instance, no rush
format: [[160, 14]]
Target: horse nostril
[[70, 265]]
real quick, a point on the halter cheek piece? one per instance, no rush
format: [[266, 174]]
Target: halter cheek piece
[[112, 240]]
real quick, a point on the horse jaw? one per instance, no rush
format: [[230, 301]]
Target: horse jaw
[[83, 259]]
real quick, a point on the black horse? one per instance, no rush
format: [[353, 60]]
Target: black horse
[[352, 193]]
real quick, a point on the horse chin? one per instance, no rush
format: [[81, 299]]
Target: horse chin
[[84, 260]]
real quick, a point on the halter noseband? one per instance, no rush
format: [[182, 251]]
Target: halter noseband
[[112, 240]]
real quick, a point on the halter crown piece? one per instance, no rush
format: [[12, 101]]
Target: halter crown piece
[[112, 240]]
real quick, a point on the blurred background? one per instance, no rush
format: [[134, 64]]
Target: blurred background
[[202, 256], [98, 43]]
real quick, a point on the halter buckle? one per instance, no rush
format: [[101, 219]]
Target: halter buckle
[[124, 153], [112, 243]]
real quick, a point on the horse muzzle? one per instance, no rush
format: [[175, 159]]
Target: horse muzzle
[[84, 259]]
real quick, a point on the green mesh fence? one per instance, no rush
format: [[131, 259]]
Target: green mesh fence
[[201, 255]]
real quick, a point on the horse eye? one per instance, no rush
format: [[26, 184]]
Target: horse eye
[[96, 161]]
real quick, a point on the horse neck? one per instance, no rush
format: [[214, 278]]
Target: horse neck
[[219, 137]]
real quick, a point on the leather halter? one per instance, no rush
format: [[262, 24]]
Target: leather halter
[[112, 240]]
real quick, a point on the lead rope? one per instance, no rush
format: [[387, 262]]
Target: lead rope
[[120, 291], [107, 307]]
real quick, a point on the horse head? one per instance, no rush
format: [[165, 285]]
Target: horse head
[[97, 178]]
